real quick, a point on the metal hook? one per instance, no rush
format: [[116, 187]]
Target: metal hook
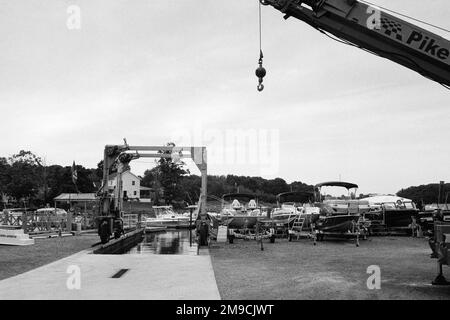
[[260, 87]]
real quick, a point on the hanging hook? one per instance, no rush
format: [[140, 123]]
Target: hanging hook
[[260, 87], [260, 72]]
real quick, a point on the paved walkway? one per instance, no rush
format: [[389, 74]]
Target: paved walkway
[[152, 276]]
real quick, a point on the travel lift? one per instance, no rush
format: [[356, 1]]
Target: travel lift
[[117, 158]]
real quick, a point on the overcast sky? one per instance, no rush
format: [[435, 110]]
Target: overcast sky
[[183, 70]]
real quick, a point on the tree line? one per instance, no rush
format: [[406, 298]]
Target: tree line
[[25, 177], [427, 194]]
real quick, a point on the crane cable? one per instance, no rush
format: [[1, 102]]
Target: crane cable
[[260, 71], [421, 71], [260, 28]]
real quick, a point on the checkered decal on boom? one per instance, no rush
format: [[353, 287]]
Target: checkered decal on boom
[[392, 28]]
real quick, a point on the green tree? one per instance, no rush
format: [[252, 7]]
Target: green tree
[[5, 177], [426, 194], [168, 175], [23, 180]]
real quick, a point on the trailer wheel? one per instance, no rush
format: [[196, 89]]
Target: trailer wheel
[[203, 234], [202, 239], [230, 238]]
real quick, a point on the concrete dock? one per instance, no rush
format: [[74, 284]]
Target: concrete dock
[[155, 277]]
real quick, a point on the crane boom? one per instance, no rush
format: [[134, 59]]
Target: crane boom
[[375, 30]]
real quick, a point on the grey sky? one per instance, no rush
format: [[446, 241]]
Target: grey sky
[[148, 70]]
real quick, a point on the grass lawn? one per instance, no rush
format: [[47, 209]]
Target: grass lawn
[[330, 270], [18, 259]]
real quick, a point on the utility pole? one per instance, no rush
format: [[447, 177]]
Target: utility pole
[[441, 191]]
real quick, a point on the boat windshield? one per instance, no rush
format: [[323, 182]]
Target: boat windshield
[[395, 205]]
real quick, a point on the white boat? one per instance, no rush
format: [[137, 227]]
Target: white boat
[[150, 229], [238, 214], [58, 212], [166, 217], [288, 211], [193, 210], [54, 216]]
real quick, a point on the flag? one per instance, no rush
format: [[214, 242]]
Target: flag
[[74, 174]]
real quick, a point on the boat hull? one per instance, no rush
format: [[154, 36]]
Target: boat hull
[[240, 222], [338, 224], [283, 220], [175, 223], [394, 218], [150, 229], [234, 221]]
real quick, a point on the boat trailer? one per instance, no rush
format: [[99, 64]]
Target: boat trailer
[[314, 233], [261, 231]]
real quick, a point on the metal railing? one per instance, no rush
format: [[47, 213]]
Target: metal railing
[[131, 220], [32, 221]]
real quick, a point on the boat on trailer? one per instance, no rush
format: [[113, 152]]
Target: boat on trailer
[[339, 216], [290, 206], [239, 211], [241, 214], [391, 212]]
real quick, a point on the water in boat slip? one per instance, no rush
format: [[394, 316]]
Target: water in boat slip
[[166, 242]]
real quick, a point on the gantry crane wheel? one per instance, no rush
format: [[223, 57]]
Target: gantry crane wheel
[[104, 232]]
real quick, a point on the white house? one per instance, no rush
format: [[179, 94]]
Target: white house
[[131, 185]]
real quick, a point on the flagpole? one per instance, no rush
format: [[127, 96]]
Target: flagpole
[[75, 176]]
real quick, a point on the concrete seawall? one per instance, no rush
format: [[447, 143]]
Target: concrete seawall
[[118, 246]]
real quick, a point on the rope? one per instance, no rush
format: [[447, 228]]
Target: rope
[[260, 30], [260, 72]]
